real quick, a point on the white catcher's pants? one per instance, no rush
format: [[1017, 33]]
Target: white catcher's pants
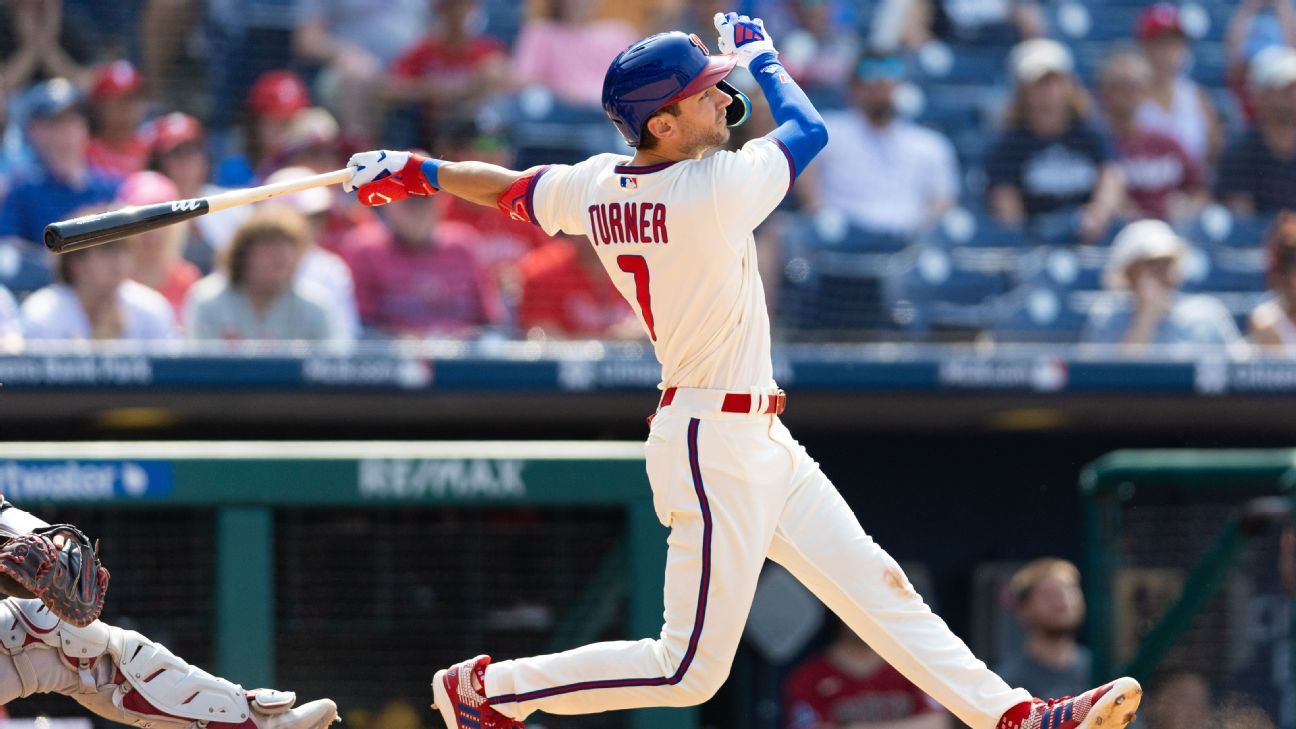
[[735, 489]]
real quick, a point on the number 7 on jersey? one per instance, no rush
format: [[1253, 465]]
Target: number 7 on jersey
[[638, 267]]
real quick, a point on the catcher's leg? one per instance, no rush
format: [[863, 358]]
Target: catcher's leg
[[123, 676]]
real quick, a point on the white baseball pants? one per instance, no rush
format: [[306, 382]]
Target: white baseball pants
[[735, 489]]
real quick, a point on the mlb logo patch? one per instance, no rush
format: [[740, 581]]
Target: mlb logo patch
[[631, 183]]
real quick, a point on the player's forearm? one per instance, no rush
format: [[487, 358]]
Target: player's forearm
[[477, 182], [801, 129]]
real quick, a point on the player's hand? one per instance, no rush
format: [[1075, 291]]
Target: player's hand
[[743, 36], [383, 176]]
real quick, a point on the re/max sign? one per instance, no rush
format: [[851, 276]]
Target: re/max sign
[[414, 478]]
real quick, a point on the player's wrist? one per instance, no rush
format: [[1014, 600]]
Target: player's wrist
[[430, 167], [765, 58]]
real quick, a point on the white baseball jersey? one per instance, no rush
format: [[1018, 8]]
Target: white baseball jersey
[[676, 238]]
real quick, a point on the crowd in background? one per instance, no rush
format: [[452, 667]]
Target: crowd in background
[[1111, 172]]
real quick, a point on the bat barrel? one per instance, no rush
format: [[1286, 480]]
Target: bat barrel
[[92, 230]]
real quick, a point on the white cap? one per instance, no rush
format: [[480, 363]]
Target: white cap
[[1272, 68], [1034, 59], [1140, 241], [307, 202]]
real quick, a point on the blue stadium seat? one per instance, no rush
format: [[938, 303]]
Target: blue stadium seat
[[964, 64], [829, 230], [1209, 65], [23, 268], [831, 277], [1034, 313], [1217, 226], [975, 227], [950, 109], [1219, 268], [1114, 21], [1063, 268], [545, 130], [946, 289]]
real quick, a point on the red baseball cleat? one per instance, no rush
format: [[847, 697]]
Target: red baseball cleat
[[1110, 706], [457, 693]]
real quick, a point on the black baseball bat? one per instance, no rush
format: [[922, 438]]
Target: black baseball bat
[[92, 230]]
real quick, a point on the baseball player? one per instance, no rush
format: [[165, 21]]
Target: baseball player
[[122, 675], [673, 227]]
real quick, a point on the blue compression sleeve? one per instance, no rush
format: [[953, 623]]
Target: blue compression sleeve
[[800, 129]]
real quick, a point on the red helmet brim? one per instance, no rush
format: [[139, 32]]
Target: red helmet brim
[[717, 68]]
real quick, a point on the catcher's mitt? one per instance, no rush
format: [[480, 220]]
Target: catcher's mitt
[[70, 581]]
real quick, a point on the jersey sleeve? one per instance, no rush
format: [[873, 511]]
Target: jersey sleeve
[[550, 197], [749, 183]]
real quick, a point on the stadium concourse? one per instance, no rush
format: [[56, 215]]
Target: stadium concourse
[[1041, 230]]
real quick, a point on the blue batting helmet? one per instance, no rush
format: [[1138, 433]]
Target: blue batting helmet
[[660, 70]]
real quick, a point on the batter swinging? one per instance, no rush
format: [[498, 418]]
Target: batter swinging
[[673, 227]]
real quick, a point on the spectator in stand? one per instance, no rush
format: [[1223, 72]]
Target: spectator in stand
[[1177, 106], [63, 181], [320, 268], [155, 255], [565, 50], [1273, 323], [11, 337], [501, 241], [312, 144], [1255, 25], [1161, 180], [921, 179], [821, 53], [566, 293], [971, 21], [1146, 308], [36, 43], [95, 299], [1180, 699], [1050, 160], [849, 686], [117, 110], [256, 297], [450, 72], [1046, 598], [421, 280], [272, 104], [312, 139], [177, 145], [354, 41], [1258, 170]]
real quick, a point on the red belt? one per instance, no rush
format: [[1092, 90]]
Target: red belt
[[738, 402]]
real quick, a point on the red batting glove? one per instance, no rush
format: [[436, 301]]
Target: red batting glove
[[409, 181]]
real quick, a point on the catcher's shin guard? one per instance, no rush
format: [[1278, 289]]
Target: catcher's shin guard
[[123, 676]]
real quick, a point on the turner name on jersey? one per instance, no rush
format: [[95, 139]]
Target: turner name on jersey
[[628, 222]]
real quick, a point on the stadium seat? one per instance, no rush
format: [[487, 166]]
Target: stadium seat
[[1209, 64], [1061, 268], [1219, 268], [831, 277], [961, 63], [1034, 313], [975, 227], [945, 289], [1216, 225], [829, 230], [23, 268], [548, 131]]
